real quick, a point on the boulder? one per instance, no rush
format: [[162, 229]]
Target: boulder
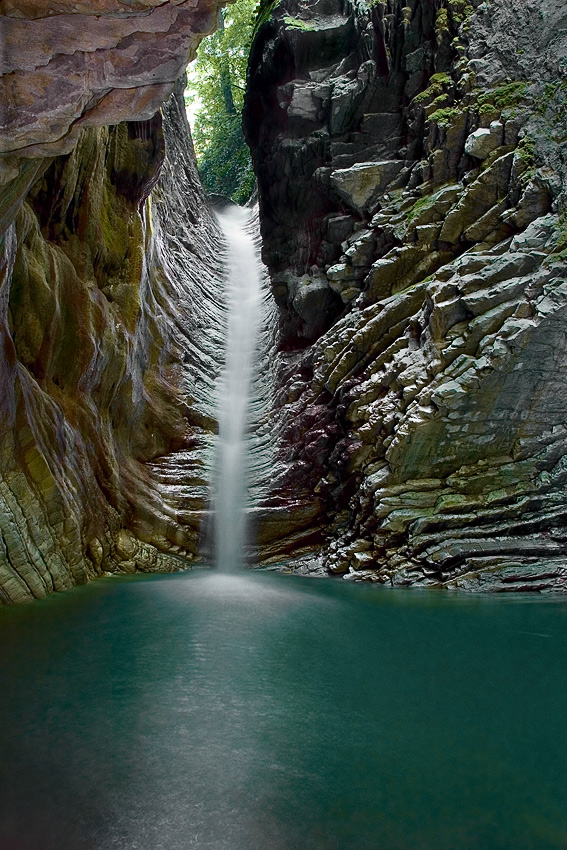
[[485, 140], [361, 185]]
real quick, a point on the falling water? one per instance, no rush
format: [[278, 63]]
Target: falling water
[[241, 395]]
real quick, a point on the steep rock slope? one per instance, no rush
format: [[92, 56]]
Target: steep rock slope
[[100, 350], [105, 370], [411, 168]]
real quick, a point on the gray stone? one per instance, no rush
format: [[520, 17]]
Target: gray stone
[[362, 183], [484, 141], [537, 235], [339, 228]]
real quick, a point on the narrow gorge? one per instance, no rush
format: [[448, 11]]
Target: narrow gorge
[[300, 465], [411, 170]]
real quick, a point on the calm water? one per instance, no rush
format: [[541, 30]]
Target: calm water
[[250, 712]]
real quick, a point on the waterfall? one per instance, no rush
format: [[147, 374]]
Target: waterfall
[[243, 397]]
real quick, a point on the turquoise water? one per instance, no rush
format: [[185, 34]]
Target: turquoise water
[[263, 711]]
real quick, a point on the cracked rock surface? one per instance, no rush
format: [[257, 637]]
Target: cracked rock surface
[[67, 65], [413, 157]]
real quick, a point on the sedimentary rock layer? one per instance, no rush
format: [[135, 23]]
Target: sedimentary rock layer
[[65, 66], [104, 424], [100, 353], [411, 166]]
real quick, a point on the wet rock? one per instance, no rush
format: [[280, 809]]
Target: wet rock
[[360, 185], [351, 97], [66, 65], [92, 411], [443, 377]]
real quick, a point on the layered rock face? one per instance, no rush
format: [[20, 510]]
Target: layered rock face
[[103, 430], [105, 369], [67, 65], [411, 168]]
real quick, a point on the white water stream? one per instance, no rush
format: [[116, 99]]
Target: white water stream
[[242, 389]]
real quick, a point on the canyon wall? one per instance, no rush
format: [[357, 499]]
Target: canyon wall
[[105, 370], [411, 161], [411, 173]]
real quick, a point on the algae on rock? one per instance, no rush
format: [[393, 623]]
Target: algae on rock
[[428, 401], [97, 332]]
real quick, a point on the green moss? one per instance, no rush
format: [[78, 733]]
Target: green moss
[[114, 232], [553, 103], [460, 10], [549, 92], [419, 206], [437, 82], [298, 24], [487, 109], [526, 151], [562, 233], [440, 79], [422, 97], [441, 21], [440, 101], [560, 253], [424, 203], [503, 97], [443, 117]]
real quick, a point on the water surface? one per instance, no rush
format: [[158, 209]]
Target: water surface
[[253, 711]]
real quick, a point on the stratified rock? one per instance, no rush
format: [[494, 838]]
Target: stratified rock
[[364, 182], [102, 464], [68, 65], [483, 141], [429, 188]]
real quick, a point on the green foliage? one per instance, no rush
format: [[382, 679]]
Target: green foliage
[[216, 87], [444, 117], [297, 24], [504, 97], [264, 12], [225, 166]]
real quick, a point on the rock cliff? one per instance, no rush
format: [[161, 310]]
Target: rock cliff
[[412, 183], [65, 66], [105, 370]]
